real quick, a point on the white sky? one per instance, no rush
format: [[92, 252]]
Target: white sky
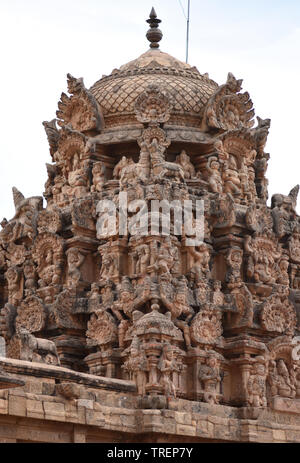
[[42, 41]]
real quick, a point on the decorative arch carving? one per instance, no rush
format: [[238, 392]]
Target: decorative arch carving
[[229, 109], [81, 109]]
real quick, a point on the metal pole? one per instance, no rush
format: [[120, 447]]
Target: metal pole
[[188, 31]]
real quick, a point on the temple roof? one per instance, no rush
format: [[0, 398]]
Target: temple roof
[[189, 90]]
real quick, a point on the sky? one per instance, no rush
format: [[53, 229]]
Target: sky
[[40, 42]]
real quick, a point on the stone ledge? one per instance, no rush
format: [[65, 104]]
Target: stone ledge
[[41, 370], [286, 405]]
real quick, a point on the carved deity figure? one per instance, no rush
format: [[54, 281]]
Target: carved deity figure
[[283, 276], [296, 376], [232, 182], [30, 276], [167, 365], [75, 261], [285, 386], [251, 192], [217, 296], [143, 259], [163, 259], [137, 366], [283, 212], [199, 261], [215, 178], [78, 176], [185, 162], [210, 379], [98, 176], [224, 211], [48, 272], [234, 261], [109, 266], [13, 277], [256, 386], [119, 168]]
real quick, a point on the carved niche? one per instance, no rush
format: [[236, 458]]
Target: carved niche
[[48, 254]]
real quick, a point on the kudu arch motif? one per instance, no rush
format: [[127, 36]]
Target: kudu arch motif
[[179, 320]]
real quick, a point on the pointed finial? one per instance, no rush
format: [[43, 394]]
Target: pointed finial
[[18, 197], [154, 35]]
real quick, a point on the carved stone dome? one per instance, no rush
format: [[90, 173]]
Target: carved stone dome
[[187, 89]]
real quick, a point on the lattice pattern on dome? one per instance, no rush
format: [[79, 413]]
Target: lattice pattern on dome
[[118, 95]]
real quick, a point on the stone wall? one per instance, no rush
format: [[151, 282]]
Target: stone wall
[[52, 408]]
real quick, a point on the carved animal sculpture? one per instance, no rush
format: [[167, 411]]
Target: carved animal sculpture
[[36, 349], [162, 168]]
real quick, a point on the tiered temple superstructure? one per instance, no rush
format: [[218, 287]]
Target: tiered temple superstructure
[[185, 341]]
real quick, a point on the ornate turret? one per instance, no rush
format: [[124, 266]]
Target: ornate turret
[[177, 302]]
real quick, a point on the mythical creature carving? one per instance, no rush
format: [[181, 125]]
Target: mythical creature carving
[[24, 222], [263, 252]]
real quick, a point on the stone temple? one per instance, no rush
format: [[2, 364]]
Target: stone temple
[[116, 330]]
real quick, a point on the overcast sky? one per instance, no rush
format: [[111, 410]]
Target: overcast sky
[[42, 41]]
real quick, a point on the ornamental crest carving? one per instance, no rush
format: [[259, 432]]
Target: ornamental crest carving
[[49, 221], [278, 315], [16, 254], [102, 329], [62, 314], [229, 109], [81, 110], [32, 315], [153, 106], [206, 328]]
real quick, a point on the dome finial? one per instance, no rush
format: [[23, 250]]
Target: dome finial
[[154, 35]]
